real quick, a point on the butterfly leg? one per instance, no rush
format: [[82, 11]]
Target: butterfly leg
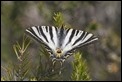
[[61, 62], [54, 61]]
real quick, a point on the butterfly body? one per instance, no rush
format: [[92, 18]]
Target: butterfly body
[[60, 42]]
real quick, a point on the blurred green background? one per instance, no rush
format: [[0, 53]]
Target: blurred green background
[[102, 18]]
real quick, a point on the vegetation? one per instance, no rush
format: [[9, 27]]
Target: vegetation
[[22, 61], [44, 69]]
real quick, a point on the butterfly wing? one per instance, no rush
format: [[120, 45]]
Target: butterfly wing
[[76, 38], [66, 40], [45, 34]]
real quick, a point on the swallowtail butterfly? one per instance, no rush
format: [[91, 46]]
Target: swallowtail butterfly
[[60, 42]]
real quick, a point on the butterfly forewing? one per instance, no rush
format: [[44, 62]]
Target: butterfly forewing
[[44, 35], [77, 38]]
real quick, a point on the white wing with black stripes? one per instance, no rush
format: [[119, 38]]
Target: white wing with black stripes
[[45, 34], [77, 38], [59, 41]]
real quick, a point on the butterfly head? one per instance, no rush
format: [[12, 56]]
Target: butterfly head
[[58, 53]]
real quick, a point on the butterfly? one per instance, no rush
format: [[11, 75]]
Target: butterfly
[[60, 42]]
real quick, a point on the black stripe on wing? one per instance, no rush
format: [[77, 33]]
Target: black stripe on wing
[[77, 32], [46, 27], [51, 34], [80, 38], [61, 35], [42, 33], [71, 36]]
